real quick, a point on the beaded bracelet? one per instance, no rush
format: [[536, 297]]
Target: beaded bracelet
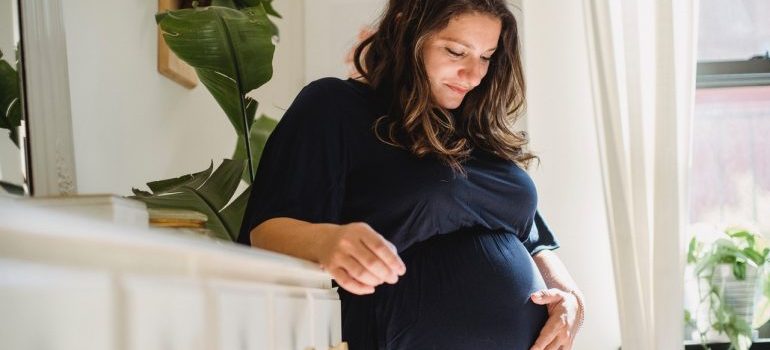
[[581, 308]]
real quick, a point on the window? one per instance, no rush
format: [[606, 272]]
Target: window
[[730, 173], [734, 43]]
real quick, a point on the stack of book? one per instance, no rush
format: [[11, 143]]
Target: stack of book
[[184, 220], [109, 207]]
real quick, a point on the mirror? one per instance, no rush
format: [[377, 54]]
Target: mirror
[[13, 174], [48, 151]]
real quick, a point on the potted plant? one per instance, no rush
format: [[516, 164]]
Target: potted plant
[[10, 111], [730, 274], [230, 46]]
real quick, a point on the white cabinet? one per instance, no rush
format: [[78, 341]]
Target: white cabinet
[[164, 314], [260, 316], [68, 283], [243, 316], [54, 308], [292, 322], [327, 326]]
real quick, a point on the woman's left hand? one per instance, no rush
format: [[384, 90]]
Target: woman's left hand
[[562, 324]]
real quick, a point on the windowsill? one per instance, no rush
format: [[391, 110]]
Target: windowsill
[[760, 344]]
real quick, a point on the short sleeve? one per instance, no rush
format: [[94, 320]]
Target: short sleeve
[[540, 236], [301, 173]]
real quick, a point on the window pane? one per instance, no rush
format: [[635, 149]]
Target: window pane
[[730, 176], [731, 30]]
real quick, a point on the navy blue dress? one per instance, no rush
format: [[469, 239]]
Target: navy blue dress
[[466, 241]]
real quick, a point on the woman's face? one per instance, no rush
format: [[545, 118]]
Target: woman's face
[[457, 57]]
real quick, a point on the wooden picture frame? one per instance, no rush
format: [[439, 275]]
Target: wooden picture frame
[[169, 65]]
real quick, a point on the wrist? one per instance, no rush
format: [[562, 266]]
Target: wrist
[[325, 236]]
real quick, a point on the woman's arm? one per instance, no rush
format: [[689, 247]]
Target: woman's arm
[[297, 238], [356, 256], [565, 303], [555, 273]]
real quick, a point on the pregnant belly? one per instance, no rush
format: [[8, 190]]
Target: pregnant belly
[[464, 290]]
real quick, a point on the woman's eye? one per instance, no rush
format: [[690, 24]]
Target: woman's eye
[[486, 58], [454, 53]]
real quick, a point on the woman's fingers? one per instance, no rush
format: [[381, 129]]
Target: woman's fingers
[[550, 333], [546, 337], [346, 281], [364, 255], [385, 252], [557, 333], [547, 296], [553, 346], [373, 264], [376, 253], [360, 271], [558, 343]]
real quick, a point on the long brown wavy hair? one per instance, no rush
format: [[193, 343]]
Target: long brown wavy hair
[[391, 62]]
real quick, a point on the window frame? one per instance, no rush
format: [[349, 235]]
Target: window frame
[[718, 74]]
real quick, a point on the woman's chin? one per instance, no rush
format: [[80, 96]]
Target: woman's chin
[[450, 103]]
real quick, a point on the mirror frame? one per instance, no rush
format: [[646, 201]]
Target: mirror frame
[[50, 154]]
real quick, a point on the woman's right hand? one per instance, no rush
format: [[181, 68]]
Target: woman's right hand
[[359, 258]]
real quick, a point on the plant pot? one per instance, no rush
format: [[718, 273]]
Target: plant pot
[[691, 304], [739, 295]]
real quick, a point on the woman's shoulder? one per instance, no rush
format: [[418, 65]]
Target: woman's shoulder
[[331, 87], [344, 96], [320, 97], [328, 101]]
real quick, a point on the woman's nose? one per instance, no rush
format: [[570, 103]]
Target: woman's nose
[[473, 71]]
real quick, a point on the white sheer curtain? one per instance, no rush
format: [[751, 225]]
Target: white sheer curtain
[[642, 55]]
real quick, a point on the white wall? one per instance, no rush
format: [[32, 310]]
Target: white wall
[[132, 125], [561, 124], [331, 29], [289, 62]]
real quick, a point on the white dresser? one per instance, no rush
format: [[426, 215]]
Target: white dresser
[[73, 283]]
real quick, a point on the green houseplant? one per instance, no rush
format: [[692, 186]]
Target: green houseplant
[[10, 111], [230, 46], [733, 286], [10, 100]]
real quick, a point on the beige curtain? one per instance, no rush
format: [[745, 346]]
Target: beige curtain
[[642, 55]]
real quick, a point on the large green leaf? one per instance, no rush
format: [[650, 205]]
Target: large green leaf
[[234, 212], [231, 50], [229, 44], [267, 4], [226, 3], [259, 132], [221, 186], [10, 102], [12, 188], [190, 180], [204, 192], [241, 4]]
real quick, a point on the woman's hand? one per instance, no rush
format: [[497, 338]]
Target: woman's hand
[[564, 312], [359, 258]]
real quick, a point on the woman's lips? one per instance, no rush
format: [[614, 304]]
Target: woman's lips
[[457, 89]]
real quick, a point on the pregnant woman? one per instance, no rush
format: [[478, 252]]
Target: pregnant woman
[[407, 184]]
